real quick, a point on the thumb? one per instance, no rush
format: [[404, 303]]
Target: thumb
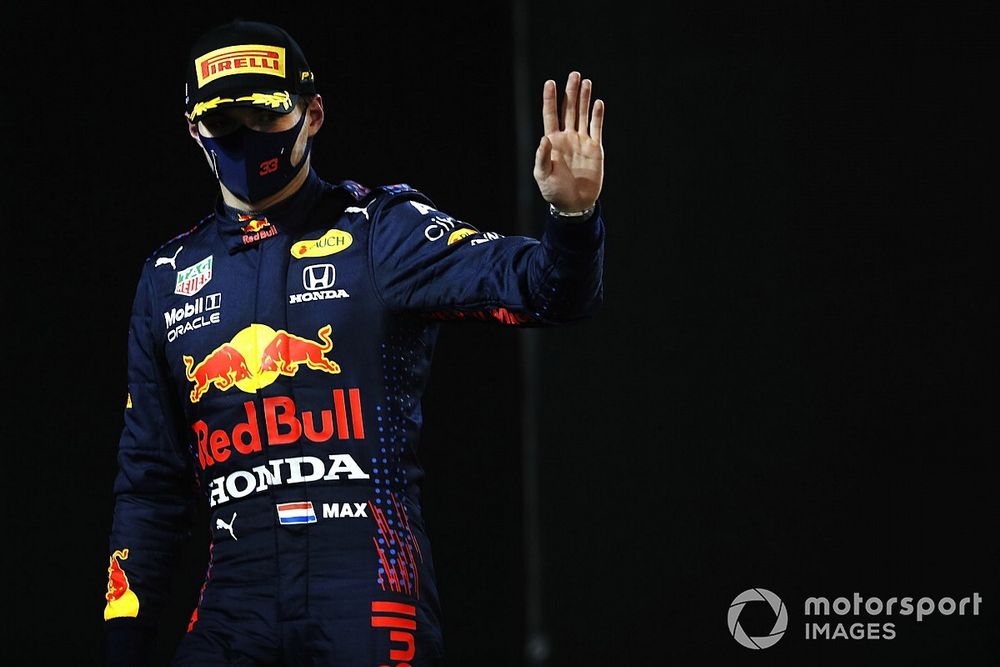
[[543, 157]]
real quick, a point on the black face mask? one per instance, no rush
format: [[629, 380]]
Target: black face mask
[[254, 165]]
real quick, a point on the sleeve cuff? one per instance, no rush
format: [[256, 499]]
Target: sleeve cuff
[[127, 644], [576, 235]]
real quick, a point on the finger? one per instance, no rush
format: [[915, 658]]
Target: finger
[[550, 118], [585, 88], [569, 103], [597, 121]]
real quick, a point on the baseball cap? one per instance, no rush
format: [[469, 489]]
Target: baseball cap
[[249, 64]]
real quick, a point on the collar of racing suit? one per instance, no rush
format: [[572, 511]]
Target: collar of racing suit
[[241, 229]]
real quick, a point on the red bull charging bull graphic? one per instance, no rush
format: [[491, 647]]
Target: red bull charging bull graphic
[[255, 357], [254, 224]]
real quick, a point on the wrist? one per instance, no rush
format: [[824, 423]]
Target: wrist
[[571, 215]]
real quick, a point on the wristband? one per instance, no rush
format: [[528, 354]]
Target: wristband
[[575, 214]]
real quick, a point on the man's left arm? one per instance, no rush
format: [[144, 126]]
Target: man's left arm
[[426, 260]]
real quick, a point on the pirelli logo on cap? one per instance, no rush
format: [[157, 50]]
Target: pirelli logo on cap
[[240, 59]]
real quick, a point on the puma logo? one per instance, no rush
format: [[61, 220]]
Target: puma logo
[[358, 209], [219, 523], [172, 261]]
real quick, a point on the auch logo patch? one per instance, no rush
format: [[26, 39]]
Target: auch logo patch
[[330, 243], [240, 59]]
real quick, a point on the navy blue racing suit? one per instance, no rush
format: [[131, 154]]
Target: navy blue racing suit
[[276, 362]]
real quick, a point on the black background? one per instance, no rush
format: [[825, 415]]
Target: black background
[[791, 382]]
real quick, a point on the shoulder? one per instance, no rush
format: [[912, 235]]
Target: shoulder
[[402, 201], [368, 202], [408, 215], [168, 250], [398, 193], [390, 195], [360, 193], [392, 201]]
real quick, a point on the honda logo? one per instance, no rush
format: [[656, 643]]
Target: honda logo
[[318, 276]]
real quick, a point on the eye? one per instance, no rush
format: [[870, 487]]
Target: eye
[[218, 125]]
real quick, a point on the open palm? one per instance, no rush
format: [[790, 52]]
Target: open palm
[[569, 162]]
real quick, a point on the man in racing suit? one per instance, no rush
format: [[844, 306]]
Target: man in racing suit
[[277, 355]]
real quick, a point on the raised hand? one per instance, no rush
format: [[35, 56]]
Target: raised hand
[[569, 162]]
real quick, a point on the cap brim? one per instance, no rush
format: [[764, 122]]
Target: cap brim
[[277, 101]]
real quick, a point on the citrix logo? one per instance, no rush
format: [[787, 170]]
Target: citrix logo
[[780, 622]]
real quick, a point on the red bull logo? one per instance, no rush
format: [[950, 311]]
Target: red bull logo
[[285, 352], [401, 621], [255, 357], [254, 224], [223, 368], [121, 600], [256, 228], [283, 425]]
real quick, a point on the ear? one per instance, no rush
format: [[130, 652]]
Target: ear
[[193, 129], [315, 115]]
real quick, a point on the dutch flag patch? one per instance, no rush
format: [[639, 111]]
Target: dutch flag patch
[[300, 512]]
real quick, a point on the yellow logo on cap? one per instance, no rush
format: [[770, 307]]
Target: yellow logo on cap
[[240, 59], [208, 105], [273, 100]]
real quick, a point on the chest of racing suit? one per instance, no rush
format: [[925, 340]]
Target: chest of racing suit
[[276, 362]]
